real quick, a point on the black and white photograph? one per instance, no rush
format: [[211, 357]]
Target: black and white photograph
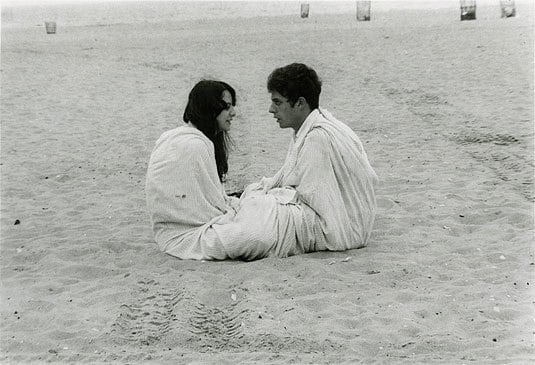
[[267, 182]]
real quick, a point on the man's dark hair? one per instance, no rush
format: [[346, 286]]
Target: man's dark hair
[[205, 102], [294, 81]]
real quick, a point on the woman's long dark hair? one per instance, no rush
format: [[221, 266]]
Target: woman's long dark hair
[[205, 102]]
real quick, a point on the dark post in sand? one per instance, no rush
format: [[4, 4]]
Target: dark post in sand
[[363, 10], [50, 27], [508, 8], [468, 9], [304, 10]]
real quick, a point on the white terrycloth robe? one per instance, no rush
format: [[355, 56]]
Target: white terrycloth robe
[[193, 218], [321, 199], [184, 195], [323, 196]]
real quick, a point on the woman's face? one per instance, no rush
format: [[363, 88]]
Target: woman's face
[[225, 117]]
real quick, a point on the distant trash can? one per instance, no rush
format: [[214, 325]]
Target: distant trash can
[[304, 10], [468, 9], [50, 27], [508, 8], [363, 10]]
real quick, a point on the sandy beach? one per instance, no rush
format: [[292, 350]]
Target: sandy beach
[[445, 111]]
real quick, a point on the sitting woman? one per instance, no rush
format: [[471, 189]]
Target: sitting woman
[[192, 216], [184, 190]]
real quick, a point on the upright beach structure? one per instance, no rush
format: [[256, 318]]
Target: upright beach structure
[[304, 10], [50, 27], [508, 8], [363, 10], [468, 9]]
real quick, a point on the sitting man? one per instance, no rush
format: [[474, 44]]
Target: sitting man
[[323, 196]]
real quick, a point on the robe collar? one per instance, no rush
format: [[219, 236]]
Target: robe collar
[[305, 127]]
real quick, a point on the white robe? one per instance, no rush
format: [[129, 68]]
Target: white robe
[[184, 195], [190, 211], [321, 199]]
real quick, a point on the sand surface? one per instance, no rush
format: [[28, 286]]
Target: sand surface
[[444, 108]]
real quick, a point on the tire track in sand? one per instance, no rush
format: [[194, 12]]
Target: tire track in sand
[[507, 155]]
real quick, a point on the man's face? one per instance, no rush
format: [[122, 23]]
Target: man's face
[[286, 115]]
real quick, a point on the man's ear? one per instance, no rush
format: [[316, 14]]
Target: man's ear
[[301, 102]]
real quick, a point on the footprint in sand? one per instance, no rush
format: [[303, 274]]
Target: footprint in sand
[[168, 315], [213, 320], [149, 317], [217, 326]]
